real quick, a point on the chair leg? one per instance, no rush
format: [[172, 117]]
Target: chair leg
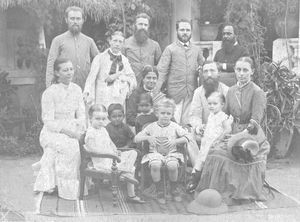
[[82, 185], [115, 182], [164, 169]]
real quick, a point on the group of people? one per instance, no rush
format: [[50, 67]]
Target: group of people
[[132, 93]]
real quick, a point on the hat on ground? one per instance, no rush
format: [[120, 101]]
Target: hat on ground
[[208, 201]]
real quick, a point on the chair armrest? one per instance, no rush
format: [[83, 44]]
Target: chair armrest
[[104, 155], [129, 148]]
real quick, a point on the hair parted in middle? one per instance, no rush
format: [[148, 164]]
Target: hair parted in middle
[[96, 108]]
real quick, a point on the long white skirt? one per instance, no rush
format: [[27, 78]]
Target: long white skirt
[[59, 165]]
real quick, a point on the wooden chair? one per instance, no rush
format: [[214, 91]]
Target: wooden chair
[[85, 171], [182, 177]]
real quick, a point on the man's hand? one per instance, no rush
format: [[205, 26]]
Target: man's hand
[[199, 130]]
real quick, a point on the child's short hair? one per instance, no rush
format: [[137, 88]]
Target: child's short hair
[[166, 103], [145, 96], [115, 106], [220, 95], [96, 107]]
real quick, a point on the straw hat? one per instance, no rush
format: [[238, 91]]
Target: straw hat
[[208, 201], [245, 140]]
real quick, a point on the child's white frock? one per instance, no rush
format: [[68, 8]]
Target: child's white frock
[[103, 144]]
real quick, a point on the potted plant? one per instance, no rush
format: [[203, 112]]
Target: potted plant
[[211, 15], [282, 87]]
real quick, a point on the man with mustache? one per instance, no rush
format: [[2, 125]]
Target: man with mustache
[[139, 48], [73, 44], [210, 83], [199, 107], [230, 52], [178, 67]]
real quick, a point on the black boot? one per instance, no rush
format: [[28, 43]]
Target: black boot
[[194, 182]]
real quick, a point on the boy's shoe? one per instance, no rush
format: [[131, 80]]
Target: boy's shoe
[[194, 182], [160, 197], [176, 192]]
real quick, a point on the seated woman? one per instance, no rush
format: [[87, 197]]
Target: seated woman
[[63, 114], [148, 84], [111, 78], [234, 179]]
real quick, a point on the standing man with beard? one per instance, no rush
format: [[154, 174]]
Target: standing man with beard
[[230, 52], [139, 48], [210, 83], [74, 45], [178, 67]]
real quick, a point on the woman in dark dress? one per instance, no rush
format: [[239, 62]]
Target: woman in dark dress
[[234, 179]]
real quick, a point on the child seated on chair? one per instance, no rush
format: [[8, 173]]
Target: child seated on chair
[[163, 136], [217, 127], [119, 132], [97, 140], [145, 112]]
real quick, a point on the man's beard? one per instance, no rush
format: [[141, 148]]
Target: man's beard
[[141, 36], [228, 44], [75, 29], [184, 40], [210, 85]]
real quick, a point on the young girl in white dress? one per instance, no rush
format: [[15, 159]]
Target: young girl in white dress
[[97, 140], [217, 127]]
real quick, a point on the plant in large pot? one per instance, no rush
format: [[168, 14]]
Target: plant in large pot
[[211, 15], [282, 88]]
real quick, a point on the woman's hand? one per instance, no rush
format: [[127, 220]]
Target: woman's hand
[[112, 78], [71, 134]]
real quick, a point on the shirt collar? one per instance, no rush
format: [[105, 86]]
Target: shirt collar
[[187, 43], [240, 86]]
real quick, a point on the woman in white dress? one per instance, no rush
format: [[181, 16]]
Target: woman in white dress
[[63, 114], [111, 78]]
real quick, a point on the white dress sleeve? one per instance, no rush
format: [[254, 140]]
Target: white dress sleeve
[[48, 112]]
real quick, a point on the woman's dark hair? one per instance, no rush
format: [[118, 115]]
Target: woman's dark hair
[[56, 67], [145, 97], [96, 108], [246, 59], [146, 70], [115, 106]]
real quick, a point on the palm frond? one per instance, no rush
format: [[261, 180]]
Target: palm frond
[[96, 9]]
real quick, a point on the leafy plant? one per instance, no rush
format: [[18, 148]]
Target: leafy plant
[[245, 15], [160, 13], [281, 86]]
